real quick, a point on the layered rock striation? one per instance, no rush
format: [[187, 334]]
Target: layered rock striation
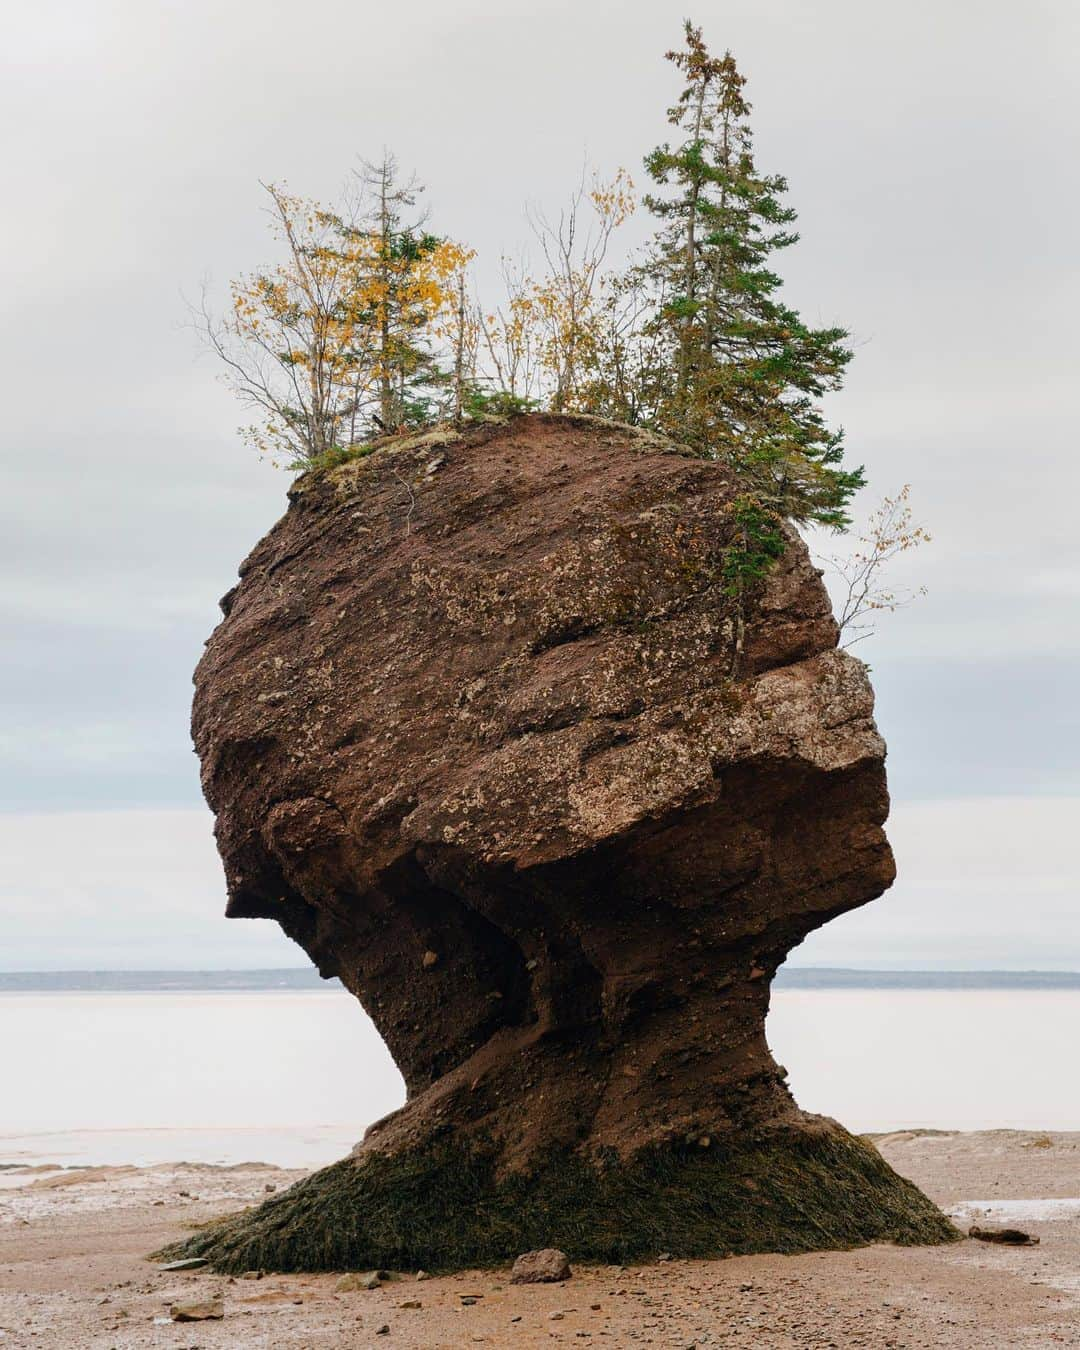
[[483, 732]]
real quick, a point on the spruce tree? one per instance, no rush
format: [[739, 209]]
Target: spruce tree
[[745, 373], [407, 268]]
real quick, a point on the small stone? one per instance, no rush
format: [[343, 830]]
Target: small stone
[[411, 1303], [270, 1187], [384, 1330], [555, 1317], [664, 1256], [1010, 1237], [212, 1310], [546, 1266], [252, 1275], [349, 1284], [187, 1263], [422, 1275]]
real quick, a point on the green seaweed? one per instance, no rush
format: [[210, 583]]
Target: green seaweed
[[445, 1208]]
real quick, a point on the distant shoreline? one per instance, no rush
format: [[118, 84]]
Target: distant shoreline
[[271, 981]]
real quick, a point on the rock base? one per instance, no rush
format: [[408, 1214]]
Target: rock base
[[447, 1209]]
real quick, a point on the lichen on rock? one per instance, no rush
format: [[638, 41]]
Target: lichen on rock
[[474, 736]]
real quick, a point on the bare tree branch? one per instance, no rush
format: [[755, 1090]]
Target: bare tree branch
[[890, 532]]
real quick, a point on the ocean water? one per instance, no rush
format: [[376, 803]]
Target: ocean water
[[285, 1077], [971, 1059], [293, 1077]]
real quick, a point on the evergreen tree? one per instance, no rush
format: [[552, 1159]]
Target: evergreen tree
[[408, 268], [745, 374]]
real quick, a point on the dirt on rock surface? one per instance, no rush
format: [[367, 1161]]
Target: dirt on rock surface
[[486, 730]]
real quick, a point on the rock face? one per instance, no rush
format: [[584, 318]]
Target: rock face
[[477, 735]]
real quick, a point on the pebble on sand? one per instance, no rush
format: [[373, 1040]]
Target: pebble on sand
[[546, 1266], [1010, 1237], [348, 1284], [212, 1310]]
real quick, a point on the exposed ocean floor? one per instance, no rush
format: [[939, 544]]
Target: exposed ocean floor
[[74, 1273]]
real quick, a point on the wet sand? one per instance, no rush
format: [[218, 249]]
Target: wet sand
[[74, 1274]]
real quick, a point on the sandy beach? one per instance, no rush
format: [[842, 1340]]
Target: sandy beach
[[74, 1273]]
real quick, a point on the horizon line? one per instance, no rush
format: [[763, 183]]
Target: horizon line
[[300, 978]]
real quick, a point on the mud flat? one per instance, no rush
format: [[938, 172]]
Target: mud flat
[[73, 1271]]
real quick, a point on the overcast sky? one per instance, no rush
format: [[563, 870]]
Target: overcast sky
[[930, 151]]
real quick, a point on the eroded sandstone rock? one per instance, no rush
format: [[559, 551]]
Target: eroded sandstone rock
[[477, 737]]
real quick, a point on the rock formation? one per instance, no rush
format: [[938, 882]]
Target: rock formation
[[477, 736]]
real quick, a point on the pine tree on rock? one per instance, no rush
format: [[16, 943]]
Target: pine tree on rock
[[745, 373], [404, 296]]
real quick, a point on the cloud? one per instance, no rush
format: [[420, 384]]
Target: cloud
[[983, 882], [101, 890]]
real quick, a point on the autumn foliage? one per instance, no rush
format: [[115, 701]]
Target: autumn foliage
[[371, 323], [340, 337]]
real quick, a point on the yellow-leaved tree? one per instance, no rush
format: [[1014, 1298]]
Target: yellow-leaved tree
[[339, 338], [542, 345]]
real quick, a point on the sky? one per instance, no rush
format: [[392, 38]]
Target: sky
[[930, 152]]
